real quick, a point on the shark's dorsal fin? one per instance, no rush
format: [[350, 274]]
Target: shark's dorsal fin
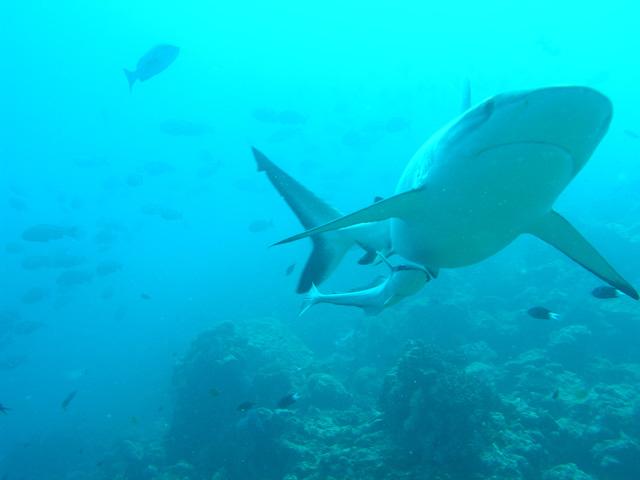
[[558, 232], [395, 206]]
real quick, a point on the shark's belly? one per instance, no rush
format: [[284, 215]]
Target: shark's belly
[[479, 204]]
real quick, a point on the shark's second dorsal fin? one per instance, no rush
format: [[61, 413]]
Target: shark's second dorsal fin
[[558, 232], [396, 206]]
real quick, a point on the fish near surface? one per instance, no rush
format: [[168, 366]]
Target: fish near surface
[[492, 175], [155, 61]]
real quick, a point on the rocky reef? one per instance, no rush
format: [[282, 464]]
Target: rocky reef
[[401, 409], [438, 415]]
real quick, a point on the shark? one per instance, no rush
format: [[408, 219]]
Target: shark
[[489, 176]]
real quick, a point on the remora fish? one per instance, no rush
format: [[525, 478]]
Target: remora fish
[[152, 63], [403, 281], [491, 175], [328, 249]]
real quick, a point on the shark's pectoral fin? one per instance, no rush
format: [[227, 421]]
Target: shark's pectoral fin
[[558, 232], [395, 206]]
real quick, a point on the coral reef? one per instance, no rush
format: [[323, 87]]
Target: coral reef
[[398, 410], [436, 412]]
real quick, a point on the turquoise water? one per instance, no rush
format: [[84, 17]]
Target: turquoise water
[[162, 307]]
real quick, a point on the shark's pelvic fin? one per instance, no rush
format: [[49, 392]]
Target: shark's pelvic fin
[[559, 233], [396, 206]]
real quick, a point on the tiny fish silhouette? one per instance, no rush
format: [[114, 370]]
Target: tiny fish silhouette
[[288, 400], [542, 313], [290, 269], [68, 399], [245, 406], [145, 296]]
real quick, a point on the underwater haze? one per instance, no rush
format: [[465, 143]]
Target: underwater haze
[[153, 152]]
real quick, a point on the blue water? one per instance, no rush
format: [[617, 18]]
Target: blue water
[[187, 221]]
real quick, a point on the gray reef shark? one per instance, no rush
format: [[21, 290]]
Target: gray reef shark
[[489, 176]]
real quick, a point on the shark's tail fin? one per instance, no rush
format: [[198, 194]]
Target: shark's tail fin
[[327, 252], [131, 78], [328, 249], [310, 299]]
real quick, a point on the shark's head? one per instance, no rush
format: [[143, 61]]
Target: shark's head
[[572, 119]]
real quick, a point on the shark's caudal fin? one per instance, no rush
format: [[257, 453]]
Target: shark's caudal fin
[[328, 250], [396, 206], [558, 232], [310, 299], [131, 78]]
